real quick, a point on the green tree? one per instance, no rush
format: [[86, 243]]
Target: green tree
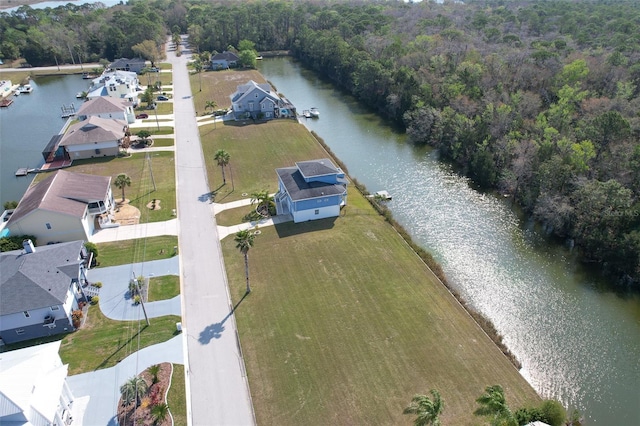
[[15, 242], [244, 242], [154, 370], [8, 205], [159, 413], [248, 58], [222, 157], [144, 136], [121, 181], [210, 104], [264, 202], [133, 390], [93, 249], [493, 404], [427, 410], [148, 49]]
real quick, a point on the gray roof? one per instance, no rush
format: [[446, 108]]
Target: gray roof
[[248, 88], [62, 192], [39, 279], [94, 129], [225, 56], [103, 105], [299, 189], [126, 63]]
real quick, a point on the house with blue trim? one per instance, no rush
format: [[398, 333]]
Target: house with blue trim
[[314, 189], [256, 101]]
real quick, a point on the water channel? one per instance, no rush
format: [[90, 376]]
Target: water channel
[[577, 342]]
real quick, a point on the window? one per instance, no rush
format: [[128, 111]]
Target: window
[[55, 308], [48, 225], [26, 314], [19, 331], [317, 211]]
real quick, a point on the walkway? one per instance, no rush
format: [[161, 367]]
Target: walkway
[[131, 232]]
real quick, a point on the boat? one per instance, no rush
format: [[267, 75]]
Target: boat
[[16, 93], [315, 113], [80, 95], [306, 113], [381, 195], [25, 88]]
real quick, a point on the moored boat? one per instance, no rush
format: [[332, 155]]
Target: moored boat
[[27, 88], [314, 112]]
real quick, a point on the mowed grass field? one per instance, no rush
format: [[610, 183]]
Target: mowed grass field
[[218, 86]]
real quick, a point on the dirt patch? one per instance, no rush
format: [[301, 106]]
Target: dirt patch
[[129, 416], [154, 205], [126, 214]]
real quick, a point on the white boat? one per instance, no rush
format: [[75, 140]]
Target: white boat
[[25, 89], [306, 113], [314, 112]]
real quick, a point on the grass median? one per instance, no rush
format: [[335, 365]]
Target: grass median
[[138, 250]]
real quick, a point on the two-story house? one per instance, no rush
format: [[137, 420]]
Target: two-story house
[[311, 190], [256, 101], [40, 288], [94, 137], [115, 84], [107, 108], [124, 64], [64, 206]]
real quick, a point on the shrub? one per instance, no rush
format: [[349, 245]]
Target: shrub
[[552, 412], [95, 300], [97, 284], [15, 242], [136, 299], [92, 248]]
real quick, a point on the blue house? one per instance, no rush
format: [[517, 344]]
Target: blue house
[[257, 101], [311, 190]]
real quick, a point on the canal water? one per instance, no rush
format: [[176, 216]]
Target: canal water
[[28, 124], [578, 342]]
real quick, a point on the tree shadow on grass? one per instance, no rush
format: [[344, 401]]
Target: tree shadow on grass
[[106, 360], [214, 331]]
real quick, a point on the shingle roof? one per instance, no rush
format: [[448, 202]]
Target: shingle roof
[[62, 192], [226, 56], [124, 62], [94, 129], [103, 105], [247, 88], [299, 189], [39, 279]]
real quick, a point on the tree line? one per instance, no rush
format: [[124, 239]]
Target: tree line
[[537, 100]]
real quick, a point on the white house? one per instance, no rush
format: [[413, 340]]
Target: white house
[[64, 206], [224, 60], [115, 84], [33, 387], [94, 137], [107, 108], [40, 289], [311, 190]]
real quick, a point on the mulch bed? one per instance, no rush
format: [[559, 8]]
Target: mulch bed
[[130, 416]]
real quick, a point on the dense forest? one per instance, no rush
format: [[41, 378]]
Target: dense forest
[[539, 100]]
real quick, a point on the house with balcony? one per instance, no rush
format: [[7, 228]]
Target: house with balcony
[[41, 287], [93, 137], [115, 84], [311, 190], [107, 108], [33, 387], [64, 206], [256, 101]]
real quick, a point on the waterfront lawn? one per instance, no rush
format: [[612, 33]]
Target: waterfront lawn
[[255, 150], [218, 86], [102, 343], [141, 191], [164, 287], [345, 323], [176, 399], [138, 250]]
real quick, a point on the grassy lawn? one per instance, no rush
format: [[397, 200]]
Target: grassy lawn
[[141, 190], [153, 128], [176, 399], [157, 142], [255, 150], [163, 288], [219, 85], [102, 343], [129, 251], [333, 331], [234, 216]]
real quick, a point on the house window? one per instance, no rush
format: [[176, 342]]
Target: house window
[[48, 225], [26, 314], [19, 331], [317, 211], [55, 308]]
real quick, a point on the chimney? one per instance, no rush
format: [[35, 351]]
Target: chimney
[[28, 246]]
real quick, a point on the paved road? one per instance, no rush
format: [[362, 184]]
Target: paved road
[[217, 389]]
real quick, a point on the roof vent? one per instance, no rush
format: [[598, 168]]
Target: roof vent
[[28, 246]]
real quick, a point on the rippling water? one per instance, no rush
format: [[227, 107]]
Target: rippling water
[[577, 344]]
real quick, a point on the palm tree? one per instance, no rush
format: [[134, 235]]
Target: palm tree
[[426, 409], [210, 104], [493, 403], [222, 157], [154, 370], [159, 412], [133, 391], [244, 241], [121, 181], [263, 199]]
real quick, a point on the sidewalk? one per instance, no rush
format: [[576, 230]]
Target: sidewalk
[[131, 232]]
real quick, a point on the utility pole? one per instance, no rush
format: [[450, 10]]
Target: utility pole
[[151, 170], [137, 284]]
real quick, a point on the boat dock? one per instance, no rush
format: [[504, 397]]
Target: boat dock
[[381, 195], [24, 171]]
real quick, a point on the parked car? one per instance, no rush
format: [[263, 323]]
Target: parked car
[[140, 116], [154, 69], [163, 98]]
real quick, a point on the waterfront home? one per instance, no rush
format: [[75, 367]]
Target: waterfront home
[[224, 60], [116, 84], [133, 65], [311, 190], [108, 108], [64, 206], [41, 287], [94, 137], [256, 101], [33, 387]]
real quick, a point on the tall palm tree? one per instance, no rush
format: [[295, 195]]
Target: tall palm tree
[[222, 157], [121, 181], [244, 241], [133, 390], [210, 104], [154, 370], [493, 403], [427, 410], [263, 199]]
